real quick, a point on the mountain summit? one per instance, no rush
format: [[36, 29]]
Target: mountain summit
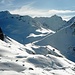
[[4, 14], [54, 22]]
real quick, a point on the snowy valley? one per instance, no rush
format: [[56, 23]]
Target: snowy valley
[[32, 47]]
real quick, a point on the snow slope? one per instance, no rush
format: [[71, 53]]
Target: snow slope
[[48, 57], [54, 22], [26, 29], [20, 27], [17, 59], [63, 40]]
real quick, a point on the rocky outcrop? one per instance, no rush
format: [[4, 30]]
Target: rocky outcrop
[[1, 34]]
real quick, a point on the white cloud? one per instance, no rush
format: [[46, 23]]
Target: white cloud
[[66, 17], [29, 10], [61, 11], [65, 14]]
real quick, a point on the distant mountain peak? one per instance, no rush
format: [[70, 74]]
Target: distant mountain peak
[[56, 17], [54, 22], [72, 19], [5, 12]]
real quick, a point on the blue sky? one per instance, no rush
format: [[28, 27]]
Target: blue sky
[[41, 8]]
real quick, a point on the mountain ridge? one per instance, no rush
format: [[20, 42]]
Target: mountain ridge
[[54, 22], [20, 27], [63, 40]]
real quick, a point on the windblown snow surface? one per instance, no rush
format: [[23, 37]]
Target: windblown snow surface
[[17, 59]]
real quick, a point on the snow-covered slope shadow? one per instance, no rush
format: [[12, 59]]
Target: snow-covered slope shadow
[[63, 40], [23, 29]]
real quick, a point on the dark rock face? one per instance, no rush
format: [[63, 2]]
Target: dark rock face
[[1, 34]]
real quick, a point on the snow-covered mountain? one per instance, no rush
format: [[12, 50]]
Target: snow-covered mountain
[[19, 27], [54, 22], [17, 59], [44, 53], [25, 29], [63, 40]]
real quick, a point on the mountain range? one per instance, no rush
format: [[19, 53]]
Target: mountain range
[[20, 27], [37, 46]]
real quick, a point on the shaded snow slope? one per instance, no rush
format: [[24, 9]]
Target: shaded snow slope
[[20, 27], [26, 29], [54, 22], [63, 40], [17, 59]]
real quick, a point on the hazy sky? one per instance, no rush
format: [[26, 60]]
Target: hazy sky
[[47, 8]]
